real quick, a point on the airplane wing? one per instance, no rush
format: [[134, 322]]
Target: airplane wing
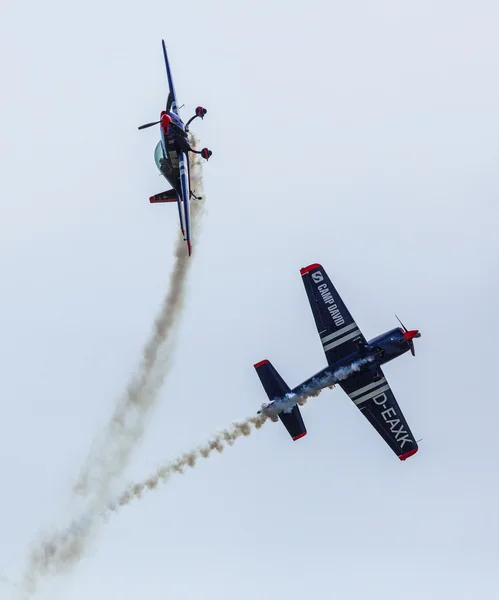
[[172, 99], [186, 193], [372, 395], [338, 331]]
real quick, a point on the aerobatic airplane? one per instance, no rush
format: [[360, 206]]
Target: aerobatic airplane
[[172, 156], [354, 364]]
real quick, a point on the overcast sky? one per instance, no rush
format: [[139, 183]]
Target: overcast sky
[[361, 135]]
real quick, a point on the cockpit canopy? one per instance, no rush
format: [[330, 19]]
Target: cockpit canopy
[[159, 155]]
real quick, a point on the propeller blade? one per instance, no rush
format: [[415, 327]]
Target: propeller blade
[[403, 326], [149, 125], [410, 335]]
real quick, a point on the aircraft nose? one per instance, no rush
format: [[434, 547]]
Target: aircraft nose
[[409, 335], [165, 121]]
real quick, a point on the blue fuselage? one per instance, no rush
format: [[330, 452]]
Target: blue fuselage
[[376, 352], [168, 148]]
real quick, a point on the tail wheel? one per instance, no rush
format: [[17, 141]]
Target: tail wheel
[[205, 153], [200, 111]]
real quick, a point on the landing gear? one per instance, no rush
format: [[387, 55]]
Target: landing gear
[[205, 153], [200, 112]]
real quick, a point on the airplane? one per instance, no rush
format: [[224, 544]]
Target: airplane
[[353, 363], [172, 156]]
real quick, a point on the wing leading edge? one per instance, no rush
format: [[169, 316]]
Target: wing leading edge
[[172, 101]]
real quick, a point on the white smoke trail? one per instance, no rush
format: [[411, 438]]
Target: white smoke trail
[[61, 551], [58, 553], [111, 453], [311, 388]]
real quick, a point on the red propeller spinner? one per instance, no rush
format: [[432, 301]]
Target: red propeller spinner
[[413, 333], [409, 335], [165, 122]]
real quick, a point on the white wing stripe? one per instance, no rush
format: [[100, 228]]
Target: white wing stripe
[[370, 395], [336, 334], [344, 339], [366, 388]]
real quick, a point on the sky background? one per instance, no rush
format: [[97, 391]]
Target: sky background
[[361, 135]]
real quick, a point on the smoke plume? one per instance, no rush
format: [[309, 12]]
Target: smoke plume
[[218, 443], [61, 551], [311, 388], [111, 452], [58, 553]]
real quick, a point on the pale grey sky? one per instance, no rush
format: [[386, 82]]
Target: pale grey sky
[[362, 135]]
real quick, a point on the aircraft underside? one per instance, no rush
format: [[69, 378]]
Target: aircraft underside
[[353, 363]]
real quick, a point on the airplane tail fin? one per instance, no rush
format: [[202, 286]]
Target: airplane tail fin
[[168, 196], [276, 387]]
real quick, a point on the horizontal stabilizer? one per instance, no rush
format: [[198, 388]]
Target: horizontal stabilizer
[[168, 196], [276, 387]]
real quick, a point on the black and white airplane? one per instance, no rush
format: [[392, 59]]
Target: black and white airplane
[[353, 363]]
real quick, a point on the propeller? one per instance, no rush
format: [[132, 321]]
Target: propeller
[[149, 125], [165, 122], [409, 335]]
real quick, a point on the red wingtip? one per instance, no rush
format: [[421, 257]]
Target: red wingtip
[[297, 437], [151, 198], [408, 454], [310, 268], [189, 247], [259, 364]]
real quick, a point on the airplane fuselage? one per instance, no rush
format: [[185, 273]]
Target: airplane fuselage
[[354, 364], [377, 352], [173, 140]]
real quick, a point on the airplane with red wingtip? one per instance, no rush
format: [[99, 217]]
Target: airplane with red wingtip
[[172, 156], [353, 363]]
